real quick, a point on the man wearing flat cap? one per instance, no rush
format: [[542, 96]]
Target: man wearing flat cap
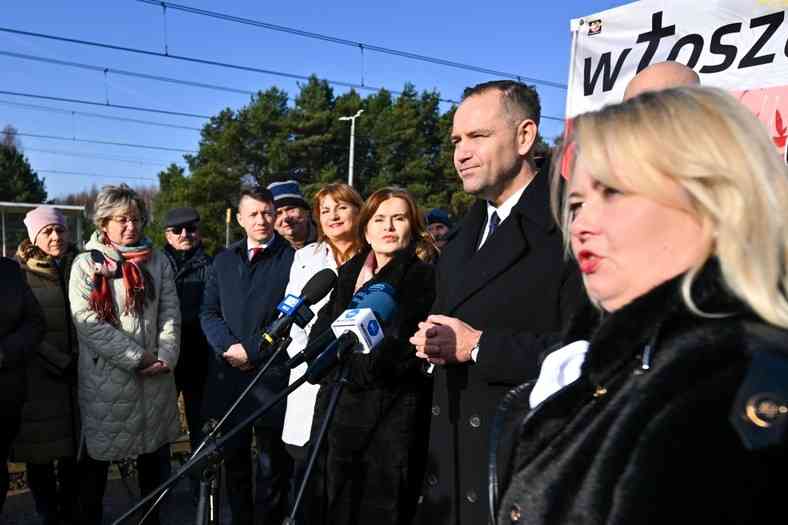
[[190, 266], [293, 217]]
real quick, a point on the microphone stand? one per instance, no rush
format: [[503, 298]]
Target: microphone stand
[[212, 449], [208, 504], [344, 371]]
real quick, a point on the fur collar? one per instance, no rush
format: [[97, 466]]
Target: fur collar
[[637, 325], [34, 260]]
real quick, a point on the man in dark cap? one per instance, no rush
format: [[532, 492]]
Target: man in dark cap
[[439, 225], [190, 266], [293, 217]]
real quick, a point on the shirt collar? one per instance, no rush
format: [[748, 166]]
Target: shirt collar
[[505, 209], [250, 246]]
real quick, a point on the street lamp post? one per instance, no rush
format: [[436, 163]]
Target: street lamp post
[[352, 120]]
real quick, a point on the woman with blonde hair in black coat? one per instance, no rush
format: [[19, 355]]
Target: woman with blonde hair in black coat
[[667, 402]]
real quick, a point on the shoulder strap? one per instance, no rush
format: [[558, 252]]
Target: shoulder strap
[[760, 412]]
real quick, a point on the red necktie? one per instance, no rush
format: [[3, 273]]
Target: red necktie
[[256, 251]]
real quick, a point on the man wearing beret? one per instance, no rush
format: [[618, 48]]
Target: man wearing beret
[[293, 217], [190, 266]]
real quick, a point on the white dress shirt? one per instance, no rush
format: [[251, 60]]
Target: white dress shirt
[[301, 403]]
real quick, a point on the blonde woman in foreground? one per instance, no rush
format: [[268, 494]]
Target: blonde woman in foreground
[[667, 403]]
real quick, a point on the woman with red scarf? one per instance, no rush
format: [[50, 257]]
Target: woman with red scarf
[[126, 313]]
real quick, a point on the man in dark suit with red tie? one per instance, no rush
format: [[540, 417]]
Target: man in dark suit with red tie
[[504, 290], [245, 283]]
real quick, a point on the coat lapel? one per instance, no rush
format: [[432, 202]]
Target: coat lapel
[[502, 250]]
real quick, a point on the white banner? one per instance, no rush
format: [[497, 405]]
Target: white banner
[[739, 45]]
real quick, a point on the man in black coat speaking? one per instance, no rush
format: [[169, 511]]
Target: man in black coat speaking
[[504, 290]]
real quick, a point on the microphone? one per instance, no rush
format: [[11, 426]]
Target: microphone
[[369, 308], [356, 327], [296, 310]]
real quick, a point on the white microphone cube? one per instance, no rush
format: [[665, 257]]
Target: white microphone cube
[[363, 323]]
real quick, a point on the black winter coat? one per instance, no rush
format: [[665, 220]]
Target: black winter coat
[[191, 274], [22, 328], [50, 417], [373, 455], [519, 290], [239, 302], [654, 430]]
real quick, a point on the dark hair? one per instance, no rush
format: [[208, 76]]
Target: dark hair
[[257, 193], [425, 245], [520, 100]]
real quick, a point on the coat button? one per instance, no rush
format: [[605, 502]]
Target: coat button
[[475, 421], [471, 496], [432, 480], [436, 410], [514, 513]]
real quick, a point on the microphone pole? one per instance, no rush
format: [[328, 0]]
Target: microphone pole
[[281, 346], [213, 450], [210, 452], [344, 371]]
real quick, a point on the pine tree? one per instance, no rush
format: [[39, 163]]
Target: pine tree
[[18, 181], [314, 146]]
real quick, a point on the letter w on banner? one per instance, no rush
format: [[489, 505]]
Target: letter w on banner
[[738, 45]]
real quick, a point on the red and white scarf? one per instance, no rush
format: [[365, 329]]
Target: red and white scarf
[[137, 281]]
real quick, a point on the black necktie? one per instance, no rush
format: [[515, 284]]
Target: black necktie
[[494, 222]]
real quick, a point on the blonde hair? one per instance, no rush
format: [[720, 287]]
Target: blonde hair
[[720, 154], [425, 245], [113, 198]]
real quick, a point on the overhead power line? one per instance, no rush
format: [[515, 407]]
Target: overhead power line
[[196, 60], [103, 104], [98, 175], [358, 45], [103, 142], [123, 72], [141, 162], [200, 61], [51, 109]]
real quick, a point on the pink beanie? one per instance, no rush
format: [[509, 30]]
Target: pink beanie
[[37, 219]]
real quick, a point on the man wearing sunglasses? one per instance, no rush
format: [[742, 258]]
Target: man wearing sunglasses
[[190, 266]]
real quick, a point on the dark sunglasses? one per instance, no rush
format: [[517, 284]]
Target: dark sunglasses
[[190, 228]]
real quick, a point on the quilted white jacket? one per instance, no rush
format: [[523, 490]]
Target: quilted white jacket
[[124, 413]]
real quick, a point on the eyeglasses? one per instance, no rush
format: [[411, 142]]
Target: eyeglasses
[[176, 230], [123, 220]]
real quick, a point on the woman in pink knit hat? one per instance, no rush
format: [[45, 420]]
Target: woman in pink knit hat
[[48, 439]]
